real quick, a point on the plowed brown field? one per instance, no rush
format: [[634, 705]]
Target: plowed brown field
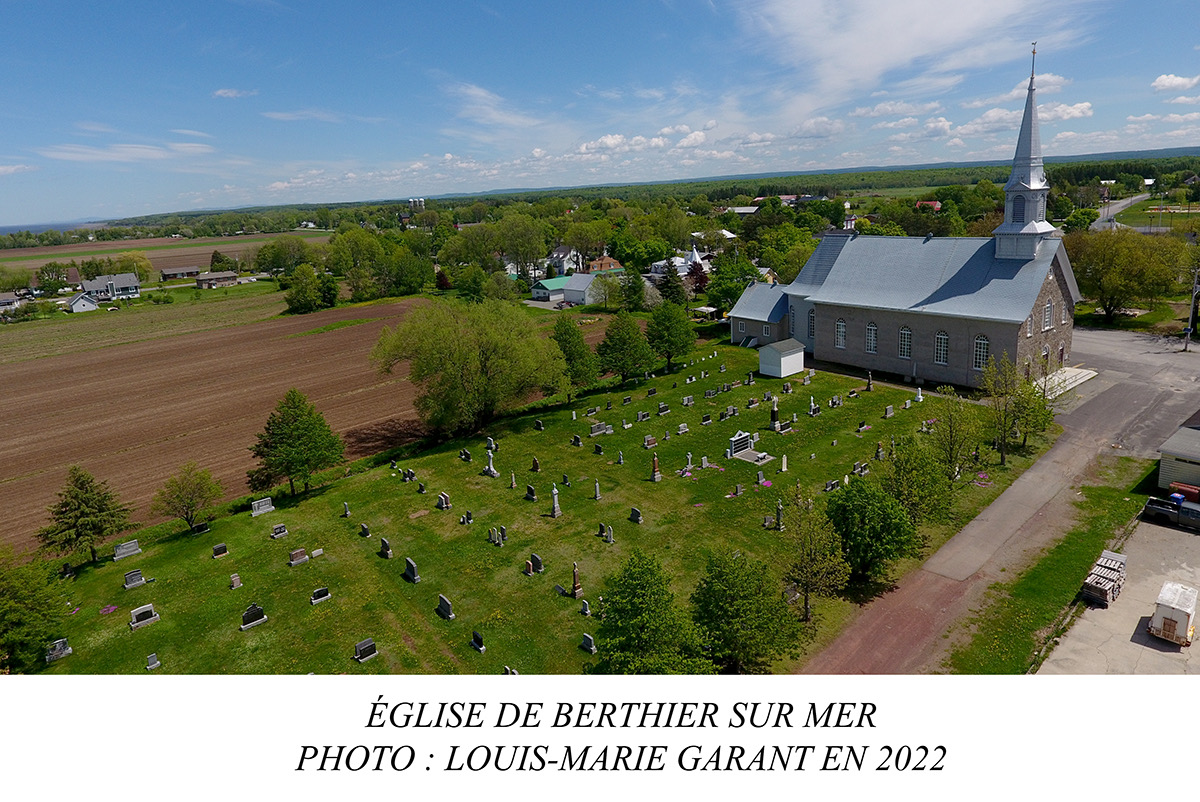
[[132, 414]]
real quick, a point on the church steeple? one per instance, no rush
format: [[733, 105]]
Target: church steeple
[[1027, 190]]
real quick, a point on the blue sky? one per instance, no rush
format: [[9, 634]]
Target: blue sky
[[133, 108]]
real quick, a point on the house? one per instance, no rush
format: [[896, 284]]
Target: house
[[550, 289], [759, 316], [934, 309], [1180, 460], [579, 288], [178, 273], [82, 302], [679, 263], [934, 205], [603, 264], [564, 258], [73, 278], [210, 281], [113, 288], [10, 302]]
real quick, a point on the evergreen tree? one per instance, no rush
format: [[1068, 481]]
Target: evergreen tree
[[30, 613], [744, 622], [624, 349], [633, 291], [641, 630], [670, 332], [582, 366], [671, 288], [296, 444], [86, 513]]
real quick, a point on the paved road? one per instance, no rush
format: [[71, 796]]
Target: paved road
[[1108, 213], [1145, 388]]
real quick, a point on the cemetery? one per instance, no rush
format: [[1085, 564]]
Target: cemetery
[[504, 595]]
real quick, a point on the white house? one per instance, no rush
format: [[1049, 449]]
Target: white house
[[112, 288], [1180, 460], [82, 303]]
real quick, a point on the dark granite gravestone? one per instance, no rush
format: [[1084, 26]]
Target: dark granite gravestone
[[530, 494], [385, 548], [142, 616], [538, 567], [635, 515], [444, 608], [364, 650], [253, 616], [220, 550], [134, 579], [319, 595], [278, 531], [477, 642]]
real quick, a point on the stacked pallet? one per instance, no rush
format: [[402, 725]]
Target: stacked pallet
[[1104, 581]]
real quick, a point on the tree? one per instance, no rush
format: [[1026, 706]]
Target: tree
[[819, 568], [135, 262], [874, 528], [744, 621], [296, 443], [1001, 381], [671, 288], [606, 289], [186, 493], [30, 612], [914, 476], [1080, 220], [697, 278], [581, 364], [729, 280], [472, 362], [1119, 268], [641, 630], [304, 291], [1032, 409], [86, 514], [51, 277], [670, 332], [470, 283], [499, 287], [523, 239], [624, 349], [955, 431], [633, 291]]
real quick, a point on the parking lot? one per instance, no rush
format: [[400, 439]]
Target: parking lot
[[1115, 641]]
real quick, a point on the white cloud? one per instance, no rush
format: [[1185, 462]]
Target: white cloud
[[893, 107], [819, 128], [13, 169], [190, 132], [905, 122], [711, 124], [1053, 112], [304, 114], [674, 129], [1046, 83], [191, 147], [538, 153], [111, 153], [991, 121], [95, 128], [1174, 83], [619, 143], [1190, 101], [1174, 119], [694, 139], [234, 93], [487, 108]]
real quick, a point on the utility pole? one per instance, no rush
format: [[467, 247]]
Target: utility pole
[[1187, 337]]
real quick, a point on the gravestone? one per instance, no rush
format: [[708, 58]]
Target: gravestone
[[410, 571], [576, 588], [58, 650], [783, 465], [919, 397], [200, 528], [608, 535], [235, 581], [589, 644], [707, 419], [538, 566], [443, 502], [528, 568], [652, 392], [363, 530], [364, 650], [656, 474], [761, 479], [319, 595], [490, 470], [278, 531], [142, 616], [123, 550], [576, 440], [152, 662], [600, 532], [722, 368], [627, 400], [503, 533], [908, 403], [737, 490], [741, 441], [620, 457], [555, 511], [683, 429], [704, 462], [585, 609], [539, 426], [491, 444], [465, 454], [220, 550], [626, 424], [888, 411], [779, 514], [385, 548], [512, 482], [608, 407], [598, 450], [635, 515], [253, 616], [530, 495], [566, 481], [806, 381], [663, 409], [262, 505], [870, 382], [297, 557], [345, 509], [477, 642], [444, 608], [536, 467], [421, 488], [597, 497], [134, 579], [597, 428], [573, 416], [643, 416], [785, 427], [393, 465]]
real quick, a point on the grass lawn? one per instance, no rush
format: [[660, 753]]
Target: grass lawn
[[1166, 317], [105, 249], [1145, 214], [525, 624], [1022, 616], [192, 310]]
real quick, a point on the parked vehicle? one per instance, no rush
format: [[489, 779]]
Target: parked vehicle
[[1173, 510]]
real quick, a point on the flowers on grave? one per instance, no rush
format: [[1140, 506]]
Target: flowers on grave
[[112, 608], [74, 611], [767, 483], [698, 505]]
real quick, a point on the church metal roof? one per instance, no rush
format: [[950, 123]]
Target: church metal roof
[[765, 302]]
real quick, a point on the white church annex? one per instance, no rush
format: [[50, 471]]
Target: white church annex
[[933, 309]]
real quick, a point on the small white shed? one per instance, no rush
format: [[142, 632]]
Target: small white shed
[[781, 359], [1174, 614], [1180, 460]]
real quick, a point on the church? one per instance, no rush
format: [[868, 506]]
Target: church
[[932, 309]]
